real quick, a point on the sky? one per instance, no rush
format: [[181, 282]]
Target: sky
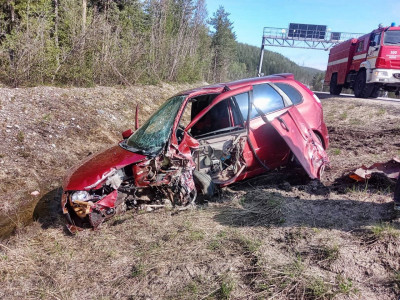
[[251, 16]]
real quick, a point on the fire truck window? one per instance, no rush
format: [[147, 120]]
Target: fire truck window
[[291, 92], [266, 99], [215, 119], [391, 38], [377, 39], [360, 47]]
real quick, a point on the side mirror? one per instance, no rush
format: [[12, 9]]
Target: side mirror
[[127, 133], [372, 43]]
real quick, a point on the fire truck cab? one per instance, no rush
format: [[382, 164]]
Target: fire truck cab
[[367, 64]]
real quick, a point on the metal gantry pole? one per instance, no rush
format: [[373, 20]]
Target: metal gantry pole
[[261, 57]]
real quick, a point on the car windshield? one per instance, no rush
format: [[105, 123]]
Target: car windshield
[[391, 38], [152, 135]]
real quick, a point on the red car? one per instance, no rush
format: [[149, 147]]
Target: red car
[[197, 141]]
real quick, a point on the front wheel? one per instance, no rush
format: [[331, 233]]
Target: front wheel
[[375, 92], [361, 88]]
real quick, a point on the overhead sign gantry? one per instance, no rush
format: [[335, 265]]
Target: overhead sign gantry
[[305, 36]]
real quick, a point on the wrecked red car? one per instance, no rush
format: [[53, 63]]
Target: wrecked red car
[[197, 141]]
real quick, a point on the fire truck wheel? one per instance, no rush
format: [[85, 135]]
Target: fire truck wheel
[[361, 88], [334, 88]]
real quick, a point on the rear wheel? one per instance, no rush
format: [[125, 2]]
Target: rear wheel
[[334, 88], [204, 184], [361, 88]]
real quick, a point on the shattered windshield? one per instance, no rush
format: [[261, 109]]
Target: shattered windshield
[[391, 38], [152, 135]]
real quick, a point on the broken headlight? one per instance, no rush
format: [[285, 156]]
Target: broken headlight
[[80, 196]]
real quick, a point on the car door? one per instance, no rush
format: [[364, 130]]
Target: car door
[[221, 132], [269, 146], [302, 141]]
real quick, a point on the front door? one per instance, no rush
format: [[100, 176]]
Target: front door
[[222, 135], [373, 50]]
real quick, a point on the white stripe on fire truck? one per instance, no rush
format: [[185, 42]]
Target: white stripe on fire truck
[[360, 56], [339, 61]]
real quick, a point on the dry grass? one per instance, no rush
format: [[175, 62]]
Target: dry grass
[[47, 130], [272, 237]]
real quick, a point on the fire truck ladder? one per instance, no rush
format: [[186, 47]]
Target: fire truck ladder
[[305, 36]]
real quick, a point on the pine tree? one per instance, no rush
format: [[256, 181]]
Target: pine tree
[[223, 44]]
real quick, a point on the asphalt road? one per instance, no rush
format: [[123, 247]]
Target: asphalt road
[[326, 95]]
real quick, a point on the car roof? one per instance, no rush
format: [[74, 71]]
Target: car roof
[[232, 85]]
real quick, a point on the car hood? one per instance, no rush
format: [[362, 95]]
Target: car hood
[[96, 166]]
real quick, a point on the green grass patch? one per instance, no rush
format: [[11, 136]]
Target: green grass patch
[[335, 151], [384, 230], [343, 116], [137, 271]]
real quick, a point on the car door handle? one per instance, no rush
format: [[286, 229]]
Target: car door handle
[[283, 124]]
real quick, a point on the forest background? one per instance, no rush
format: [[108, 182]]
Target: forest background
[[125, 42]]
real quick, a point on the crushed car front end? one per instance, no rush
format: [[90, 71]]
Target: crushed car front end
[[144, 171]]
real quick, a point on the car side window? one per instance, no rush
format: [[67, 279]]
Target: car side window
[[242, 101], [266, 99], [215, 119], [291, 92]]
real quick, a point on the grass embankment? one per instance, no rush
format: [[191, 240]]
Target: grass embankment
[[45, 131], [275, 236]]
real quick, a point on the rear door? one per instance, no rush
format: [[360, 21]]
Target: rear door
[[303, 142]]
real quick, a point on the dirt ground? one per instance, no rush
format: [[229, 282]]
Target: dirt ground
[[276, 236]]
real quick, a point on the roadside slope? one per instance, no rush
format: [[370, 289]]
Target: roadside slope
[[276, 236], [46, 130]]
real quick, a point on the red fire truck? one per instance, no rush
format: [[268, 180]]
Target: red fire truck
[[366, 64]]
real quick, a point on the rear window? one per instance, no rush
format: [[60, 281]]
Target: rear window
[[291, 92], [266, 99]]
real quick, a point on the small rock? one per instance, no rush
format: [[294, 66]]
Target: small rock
[[77, 126], [50, 136], [1, 161], [8, 130], [53, 145], [72, 119], [16, 126], [35, 193], [9, 126]]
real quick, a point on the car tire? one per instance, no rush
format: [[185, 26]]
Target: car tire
[[334, 88], [361, 88], [204, 184]]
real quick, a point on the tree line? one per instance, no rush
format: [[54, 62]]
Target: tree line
[[108, 42]]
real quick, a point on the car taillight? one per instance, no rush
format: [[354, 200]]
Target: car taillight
[[380, 62]]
